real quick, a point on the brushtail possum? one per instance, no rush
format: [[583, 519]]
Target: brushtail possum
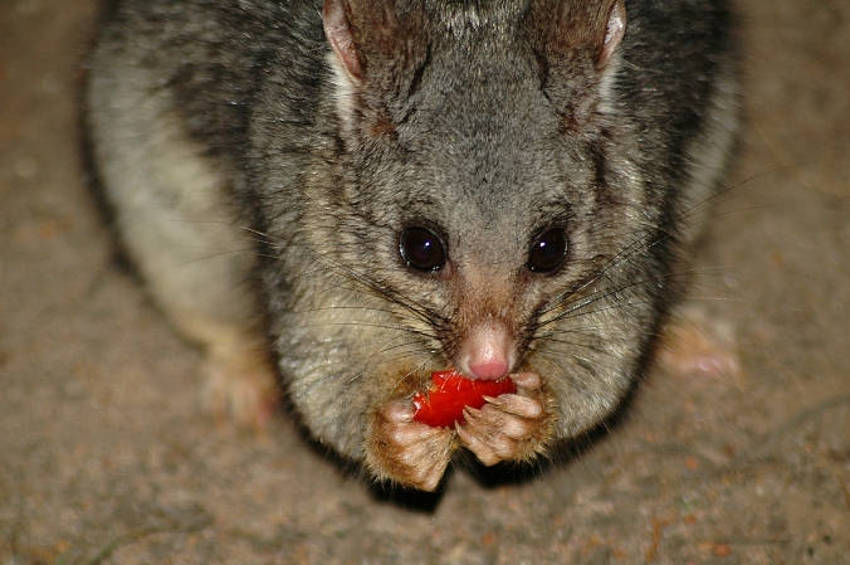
[[352, 194]]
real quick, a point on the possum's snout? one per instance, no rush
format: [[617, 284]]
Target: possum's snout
[[487, 351]]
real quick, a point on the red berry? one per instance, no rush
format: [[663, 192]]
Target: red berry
[[442, 404]]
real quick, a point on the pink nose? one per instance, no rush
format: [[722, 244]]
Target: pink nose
[[489, 370]]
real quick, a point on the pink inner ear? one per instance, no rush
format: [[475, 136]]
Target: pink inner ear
[[614, 32], [338, 32]]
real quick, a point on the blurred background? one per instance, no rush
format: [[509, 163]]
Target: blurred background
[[106, 458]]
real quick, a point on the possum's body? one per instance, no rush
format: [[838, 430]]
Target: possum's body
[[263, 164]]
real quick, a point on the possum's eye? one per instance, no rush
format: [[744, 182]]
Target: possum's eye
[[548, 251], [422, 249]]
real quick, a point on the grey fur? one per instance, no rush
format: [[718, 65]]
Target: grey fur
[[216, 124]]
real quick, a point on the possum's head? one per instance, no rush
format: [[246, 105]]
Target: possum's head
[[482, 184]]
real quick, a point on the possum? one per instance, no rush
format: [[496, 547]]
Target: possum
[[348, 195]]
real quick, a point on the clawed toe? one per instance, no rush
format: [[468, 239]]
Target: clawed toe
[[522, 406]]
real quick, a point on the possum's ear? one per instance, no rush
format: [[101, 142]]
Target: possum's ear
[[336, 16], [376, 51], [364, 34], [577, 42], [615, 28], [572, 27]]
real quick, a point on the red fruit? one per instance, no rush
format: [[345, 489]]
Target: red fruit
[[442, 404]]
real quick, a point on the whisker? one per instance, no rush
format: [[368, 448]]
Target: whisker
[[622, 256], [594, 348], [597, 296], [426, 315], [404, 329]]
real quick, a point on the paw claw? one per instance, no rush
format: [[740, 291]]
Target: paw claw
[[493, 401], [471, 415]]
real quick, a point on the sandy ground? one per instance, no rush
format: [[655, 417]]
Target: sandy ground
[[105, 457]]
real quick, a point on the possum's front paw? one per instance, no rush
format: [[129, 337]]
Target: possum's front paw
[[511, 427], [407, 452]]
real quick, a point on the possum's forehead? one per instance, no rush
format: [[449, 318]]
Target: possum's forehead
[[484, 141], [460, 18]]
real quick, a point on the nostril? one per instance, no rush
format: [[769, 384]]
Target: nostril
[[489, 370]]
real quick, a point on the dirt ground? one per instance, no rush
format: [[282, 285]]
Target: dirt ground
[[106, 458]]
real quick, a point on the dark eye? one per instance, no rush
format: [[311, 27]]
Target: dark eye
[[422, 249], [548, 251]]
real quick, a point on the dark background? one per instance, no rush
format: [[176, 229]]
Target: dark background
[[105, 457]]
